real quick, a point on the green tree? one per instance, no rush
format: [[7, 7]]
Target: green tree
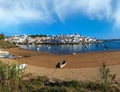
[[2, 36]]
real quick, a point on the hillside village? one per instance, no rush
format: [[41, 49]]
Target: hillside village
[[69, 38], [14, 40]]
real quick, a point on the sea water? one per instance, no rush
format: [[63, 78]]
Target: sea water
[[75, 48]]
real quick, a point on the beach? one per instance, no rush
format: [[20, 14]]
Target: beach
[[82, 66]]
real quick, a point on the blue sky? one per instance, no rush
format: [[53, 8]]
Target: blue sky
[[94, 18]]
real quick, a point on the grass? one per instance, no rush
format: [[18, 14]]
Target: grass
[[15, 80]]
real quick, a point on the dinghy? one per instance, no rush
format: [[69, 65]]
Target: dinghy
[[61, 64]]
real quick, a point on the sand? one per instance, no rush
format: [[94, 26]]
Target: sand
[[83, 60], [79, 74], [83, 67]]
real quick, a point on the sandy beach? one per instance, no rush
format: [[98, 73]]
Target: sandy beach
[[82, 60], [83, 66]]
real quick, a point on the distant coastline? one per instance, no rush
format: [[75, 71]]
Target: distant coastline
[[63, 44], [60, 49], [54, 39], [58, 43]]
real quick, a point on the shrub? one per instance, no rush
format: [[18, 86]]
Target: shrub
[[106, 77], [14, 79], [10, 76], [35, 83], [2, 36], [73, 84]]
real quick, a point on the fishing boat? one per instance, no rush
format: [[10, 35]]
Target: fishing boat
[[61, 64]]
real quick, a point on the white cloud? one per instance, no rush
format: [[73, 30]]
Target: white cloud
[[20, 11], [92, 8], [116, 15], [24, 11], [108, 10], [98, 8]]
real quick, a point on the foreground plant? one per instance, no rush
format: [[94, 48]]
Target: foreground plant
[[10, 76], [14, 79], [107, 78]]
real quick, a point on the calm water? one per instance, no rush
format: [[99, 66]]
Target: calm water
[[79, 48]]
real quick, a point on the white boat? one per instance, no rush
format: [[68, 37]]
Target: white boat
[[61, 64], [38, 49], [21, 67], [3, 53], [73, 53]]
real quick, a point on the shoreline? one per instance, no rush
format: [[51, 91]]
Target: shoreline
[[80, 60], [101, 51], [80, 67], [59, 43]]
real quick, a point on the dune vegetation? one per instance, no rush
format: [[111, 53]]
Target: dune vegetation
[[15, 79]]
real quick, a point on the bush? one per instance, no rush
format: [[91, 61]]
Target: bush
[[35, 83], [13, 79], [106, 77], [54, 89], [10, 76]]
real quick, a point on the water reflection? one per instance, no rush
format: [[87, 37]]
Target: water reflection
[[79, 48]]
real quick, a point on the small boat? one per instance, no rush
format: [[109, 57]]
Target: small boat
[[38, 49], [3, 53], [61, 64], [105, 47], [73, 53], [21, 67], [10, 56], [49, 47]]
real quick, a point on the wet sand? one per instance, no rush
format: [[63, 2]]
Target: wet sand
[[82, 60], [84, 66]]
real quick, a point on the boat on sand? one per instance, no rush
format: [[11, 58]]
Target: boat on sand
[[61, 64]]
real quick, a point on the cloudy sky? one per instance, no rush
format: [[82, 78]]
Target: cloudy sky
[[94, 18]]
